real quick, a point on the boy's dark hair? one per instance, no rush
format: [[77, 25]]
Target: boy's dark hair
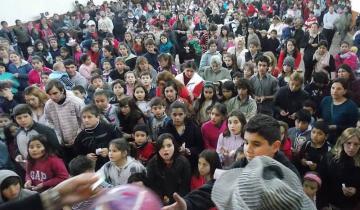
[[213, 27], [266, 126], [95, 77], [138, 177], [146, 73], [102, 93], [303, 115], [245, 84], [3, 64], [5, 115], [4, 85], [149, 41], [310, 103], [263, 58], [22, 109], [237, 74], [323, 43], [118, 81], [7, 182], [54, 83], [68, 62], [38, 58], [92, 109], [79, 88], [141, 127], [80, 164], [157, 101], [273, 31], [321, 77], [211, 41], [188, 64], [321, 125]]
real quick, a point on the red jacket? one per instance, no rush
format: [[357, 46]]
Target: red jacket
[[49, 171], [282, 57], [351, 60], [35, 76], [145, 152], [286, 148], [211, 133]]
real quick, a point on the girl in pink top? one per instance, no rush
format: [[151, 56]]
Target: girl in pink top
[[215, 126], [230, 140], [87, 66]]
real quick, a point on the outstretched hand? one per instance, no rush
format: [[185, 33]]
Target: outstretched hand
[[179, 204]]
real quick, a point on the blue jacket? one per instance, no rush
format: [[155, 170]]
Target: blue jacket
[[23, 71]]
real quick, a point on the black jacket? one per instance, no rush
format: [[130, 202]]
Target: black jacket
[[200, 199], [88, 140], [334, 173], [167, 180], [192, 138]]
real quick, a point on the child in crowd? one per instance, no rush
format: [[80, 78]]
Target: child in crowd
[[286, 71], [141, 97], [249, 70], [44, 169], [80, 92], [311, 184], [87, 66], [102, 102], [215, 126], [312, 152], [144, 147], [121, 165], [208, 162], [107, 68], [130, 81], [35, 73], [166, 64], [159, 118], [208, 98], [151, 53], [5, 120], [120, 70], [285, 140], [232, 138], [119, 88], [254, 52], [301, 132], [93, 140], [227, 91], [11, 188], [165, 45], [310, 106], [168, 171], [206, 57], [28, 127], [129, 116], [146, 80], [45, 78], [345, 56]]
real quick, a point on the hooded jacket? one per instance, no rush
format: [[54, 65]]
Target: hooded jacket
[[4, 174]]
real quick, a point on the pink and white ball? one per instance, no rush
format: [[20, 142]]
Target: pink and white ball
[[127, 197]]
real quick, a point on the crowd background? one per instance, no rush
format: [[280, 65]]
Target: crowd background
[[160, 92]]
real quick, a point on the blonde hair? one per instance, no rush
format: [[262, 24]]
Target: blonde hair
[[345, 136]]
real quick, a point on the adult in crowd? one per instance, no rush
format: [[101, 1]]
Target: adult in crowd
[[338, 110]]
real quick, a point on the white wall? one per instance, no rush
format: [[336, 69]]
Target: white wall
[[27, 10]]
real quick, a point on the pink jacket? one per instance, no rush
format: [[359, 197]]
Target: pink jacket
[[348, 58]]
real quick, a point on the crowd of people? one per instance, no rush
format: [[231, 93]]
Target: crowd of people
[[162, 95]]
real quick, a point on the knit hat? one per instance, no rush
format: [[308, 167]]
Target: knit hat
[[346, 68], [289, 61], [313, 177], [263, 184]]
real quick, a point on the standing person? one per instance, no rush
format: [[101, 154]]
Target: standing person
[[343, 23], [63, 114], [338, 110], [168, 171], [340, 173], [311, 40], [20, 69], [22, 37], [323, 61], [191, 79], [265, 86], [105, 25], [329, 25]]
